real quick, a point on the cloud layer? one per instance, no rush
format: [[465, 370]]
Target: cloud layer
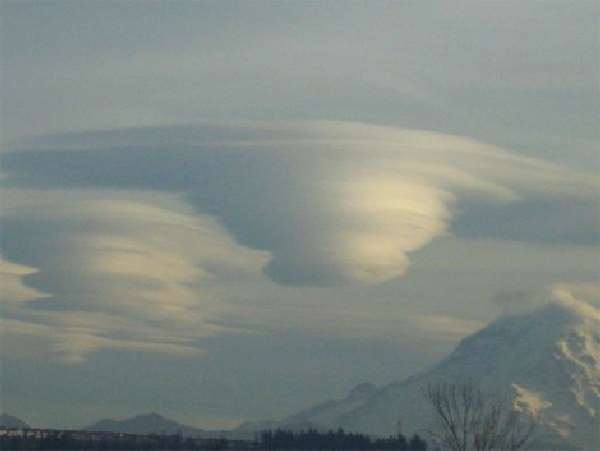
[[330, 202], [137, 238], [114, 272]]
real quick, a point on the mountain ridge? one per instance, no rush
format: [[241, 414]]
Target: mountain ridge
[[546, 361]]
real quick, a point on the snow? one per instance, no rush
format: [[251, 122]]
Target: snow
[[547, 361], [529, 401]]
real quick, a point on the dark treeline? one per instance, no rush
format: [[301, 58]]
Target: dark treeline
[[76, 440], [336, 440], [310, 440]]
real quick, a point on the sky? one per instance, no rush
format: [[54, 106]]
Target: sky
[[229, 211]]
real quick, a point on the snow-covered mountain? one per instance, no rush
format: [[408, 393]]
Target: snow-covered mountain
[[547, 361]]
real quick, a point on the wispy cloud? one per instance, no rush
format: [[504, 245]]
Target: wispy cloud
[[114, 272], [587, 292], [151, 229], [331, 202]]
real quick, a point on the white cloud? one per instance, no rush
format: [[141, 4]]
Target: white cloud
[[71, 344], [331, 202], [122, 274], [586, 292], [583, 295], [12, 288], [308, 203]]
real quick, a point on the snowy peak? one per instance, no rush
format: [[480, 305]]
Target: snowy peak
[[515, 339], [546, 361], [551, 319]]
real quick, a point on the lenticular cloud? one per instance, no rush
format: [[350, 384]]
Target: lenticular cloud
[[330, 202], [130, 239]]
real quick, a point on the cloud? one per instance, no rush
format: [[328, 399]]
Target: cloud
[[574, 293], [515, 302], [151, 239], [330, 202], [586, 292], [72, 345], [14, 291], [115, 271]]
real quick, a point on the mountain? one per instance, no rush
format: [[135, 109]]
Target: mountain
[[547, 361], [317, 417], [8, 421], [151, 423], [329, 411]]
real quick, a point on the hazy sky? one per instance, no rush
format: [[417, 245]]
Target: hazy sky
[[226, 211]]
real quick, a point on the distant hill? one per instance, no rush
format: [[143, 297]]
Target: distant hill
[[8, 421], [151, 423]]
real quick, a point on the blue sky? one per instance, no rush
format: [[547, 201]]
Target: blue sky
[[226, 210]]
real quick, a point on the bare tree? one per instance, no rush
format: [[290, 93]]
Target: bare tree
[[467, 419]]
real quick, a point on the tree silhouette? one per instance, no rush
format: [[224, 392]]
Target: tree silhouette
[[466, 419]]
